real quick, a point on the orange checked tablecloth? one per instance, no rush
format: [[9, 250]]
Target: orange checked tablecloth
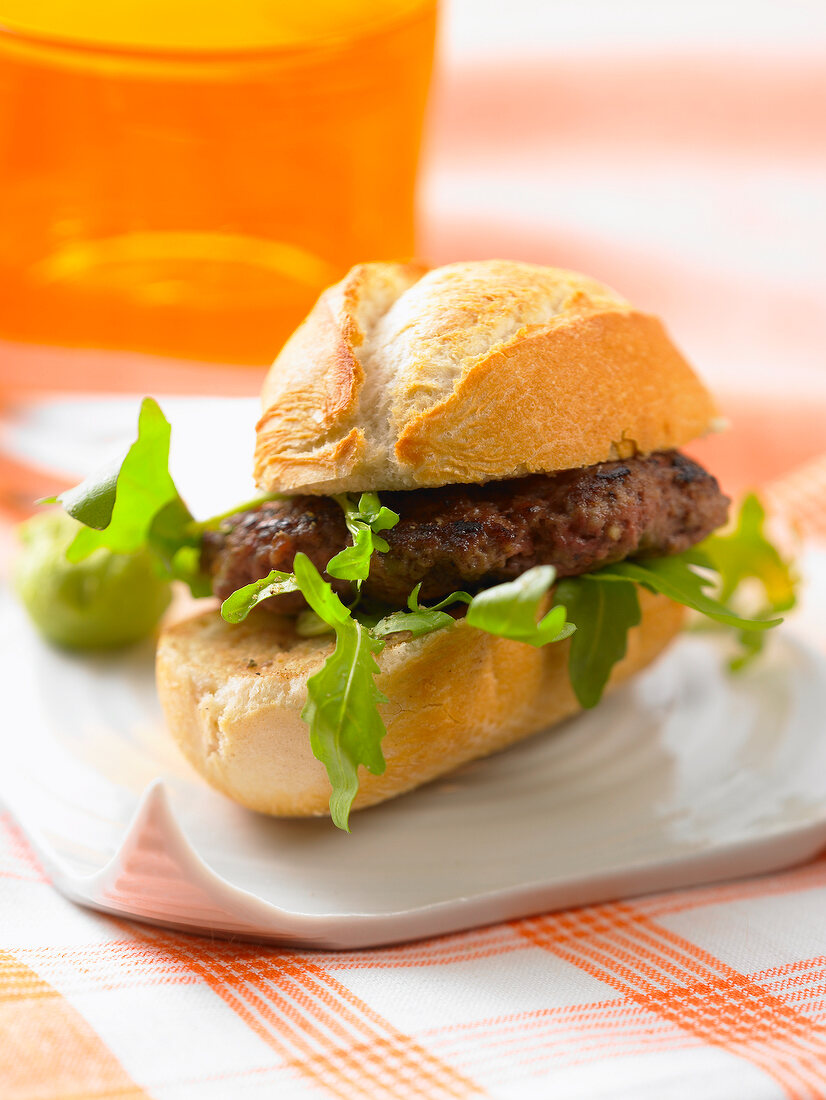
[[714, 992]]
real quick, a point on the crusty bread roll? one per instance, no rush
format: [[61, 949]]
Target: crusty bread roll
[[402, 378], [233, 697]]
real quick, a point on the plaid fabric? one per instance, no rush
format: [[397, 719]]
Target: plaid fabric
[[717, 992]]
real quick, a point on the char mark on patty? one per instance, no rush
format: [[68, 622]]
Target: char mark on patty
[[470, 536]]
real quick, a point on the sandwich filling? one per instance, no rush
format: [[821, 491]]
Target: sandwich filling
[[473, 536], [535, 560]]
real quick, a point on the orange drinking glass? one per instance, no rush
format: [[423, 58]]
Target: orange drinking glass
[[182, 177]]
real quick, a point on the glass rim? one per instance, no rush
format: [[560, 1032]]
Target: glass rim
[[196, 55]]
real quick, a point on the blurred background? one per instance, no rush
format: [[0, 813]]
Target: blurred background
[[179, 180]]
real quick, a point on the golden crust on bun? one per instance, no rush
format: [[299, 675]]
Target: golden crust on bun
[[402, 378], [233, 697]]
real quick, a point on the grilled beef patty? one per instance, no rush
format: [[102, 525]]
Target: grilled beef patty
[[470, 536]]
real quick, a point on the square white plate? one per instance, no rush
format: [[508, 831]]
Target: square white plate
[[686, 775]]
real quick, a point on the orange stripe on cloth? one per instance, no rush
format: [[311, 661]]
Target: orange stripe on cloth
[[782, 976], [48, 1049], [17, 860], [679, 982], [802, 984], [315, 1024], [550, 1038], [22, 485]]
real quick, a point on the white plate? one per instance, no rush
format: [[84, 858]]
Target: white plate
[[687, 775]]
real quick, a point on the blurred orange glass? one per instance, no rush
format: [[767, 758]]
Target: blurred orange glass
[[182, 177]]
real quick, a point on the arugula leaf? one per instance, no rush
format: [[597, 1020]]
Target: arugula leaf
[[119, 502], [510, 610], [603, 613], [375, 513], [418, 623], [236, 607], [310, 625], [133, 503], [746, 553], [177, 547], [453, 597], [420, 620], [346, 728], [752, 643], [185, 566], [674, 577], [364, 522], [91, 502]]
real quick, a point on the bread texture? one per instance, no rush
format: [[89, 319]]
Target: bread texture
[[233, 697], [402, 378]]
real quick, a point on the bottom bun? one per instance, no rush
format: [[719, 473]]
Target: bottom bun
[[233, 696]]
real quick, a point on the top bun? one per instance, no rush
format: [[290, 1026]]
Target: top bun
[[403, 377]]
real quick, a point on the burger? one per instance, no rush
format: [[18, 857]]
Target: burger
[[476, 517]]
